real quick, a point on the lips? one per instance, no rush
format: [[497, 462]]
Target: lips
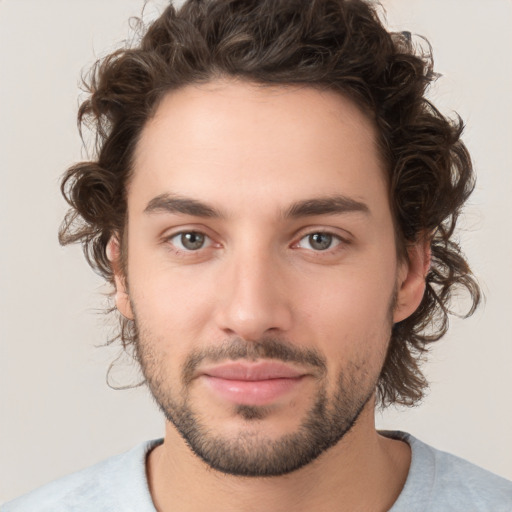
[[255, 384], [264, 370]]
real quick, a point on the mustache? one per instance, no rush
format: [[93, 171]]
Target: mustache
[[267, 348]]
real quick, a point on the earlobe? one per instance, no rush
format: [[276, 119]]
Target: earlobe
[[122, 298], [411, 279]]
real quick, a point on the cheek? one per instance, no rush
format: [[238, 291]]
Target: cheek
[[350, 313], [352, 296], [172, 302]]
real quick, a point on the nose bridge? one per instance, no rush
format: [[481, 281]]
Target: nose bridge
[[253, 300]]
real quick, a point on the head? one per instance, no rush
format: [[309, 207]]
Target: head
[[270, 183]]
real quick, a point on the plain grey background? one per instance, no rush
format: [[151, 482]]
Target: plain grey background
[[57, 414]]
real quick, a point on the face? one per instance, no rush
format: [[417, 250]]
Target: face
[[262, 273]]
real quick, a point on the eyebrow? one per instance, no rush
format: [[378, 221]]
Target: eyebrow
[[325, 206], [329, 205], [170, 203]]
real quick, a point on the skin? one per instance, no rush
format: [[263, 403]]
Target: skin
[[250, 153]]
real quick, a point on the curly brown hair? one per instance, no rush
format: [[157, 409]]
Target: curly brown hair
[[338, 45]]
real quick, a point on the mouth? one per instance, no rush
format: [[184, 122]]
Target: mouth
[[260, 383]]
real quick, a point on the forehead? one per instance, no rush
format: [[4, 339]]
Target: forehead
[[241, 140]]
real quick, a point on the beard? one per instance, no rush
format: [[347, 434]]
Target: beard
[[250, 453]]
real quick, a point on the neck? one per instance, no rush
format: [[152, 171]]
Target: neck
[[364, 471]]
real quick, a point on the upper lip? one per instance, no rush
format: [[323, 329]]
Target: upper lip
[[264, 370]]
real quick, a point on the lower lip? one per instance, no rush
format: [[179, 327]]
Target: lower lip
[[252, 392]]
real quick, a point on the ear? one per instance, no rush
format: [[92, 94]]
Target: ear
[[122, 297], [411, 279]]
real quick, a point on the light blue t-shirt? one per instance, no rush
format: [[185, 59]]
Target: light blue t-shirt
[[437, 482]]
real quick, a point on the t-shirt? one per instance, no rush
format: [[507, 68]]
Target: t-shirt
[[437, 482]]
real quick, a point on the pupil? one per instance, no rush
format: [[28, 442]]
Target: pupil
[[192, 240], [320, 241]]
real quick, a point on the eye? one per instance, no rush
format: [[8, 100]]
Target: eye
[[320, 241], [188, 241]]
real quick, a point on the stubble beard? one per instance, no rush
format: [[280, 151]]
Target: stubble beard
[[251, 453]]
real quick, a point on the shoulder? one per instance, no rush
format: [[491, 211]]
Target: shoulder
[[440, 481], [117, 483]]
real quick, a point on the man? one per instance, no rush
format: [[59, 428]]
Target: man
[[274, 201]]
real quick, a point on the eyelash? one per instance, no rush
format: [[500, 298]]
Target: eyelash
[[341, 242]]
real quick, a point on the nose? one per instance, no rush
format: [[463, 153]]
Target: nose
[[253, 299]]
